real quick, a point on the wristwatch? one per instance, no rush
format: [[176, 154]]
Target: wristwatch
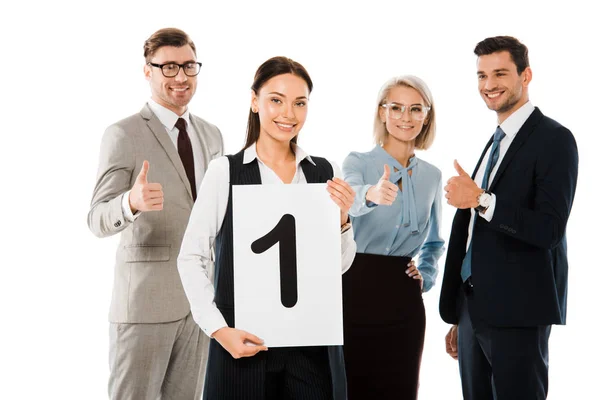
[[346, 226], [484, 200]]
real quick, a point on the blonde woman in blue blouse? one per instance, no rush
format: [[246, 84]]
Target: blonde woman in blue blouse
[[396, 216]]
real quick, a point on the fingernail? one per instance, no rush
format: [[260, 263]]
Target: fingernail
[[407, 271]]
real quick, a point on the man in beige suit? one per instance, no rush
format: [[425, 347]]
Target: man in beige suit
[[151, 165]]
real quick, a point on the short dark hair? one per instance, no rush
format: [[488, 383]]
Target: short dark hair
[[166, 37], [518, 51], [269, 69]]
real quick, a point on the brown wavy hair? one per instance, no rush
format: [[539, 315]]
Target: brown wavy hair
[[166, 37]]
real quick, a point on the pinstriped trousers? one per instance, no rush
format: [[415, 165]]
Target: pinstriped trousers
[[290, 373]]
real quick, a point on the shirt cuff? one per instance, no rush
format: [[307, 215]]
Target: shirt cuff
[[127, 213], [365, 202], [213, 323], [427, 283], [361, 206], [489, 213], [348, 234]]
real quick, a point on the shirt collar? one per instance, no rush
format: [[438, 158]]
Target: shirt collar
[[167, 117], [383, 155], [250, 154], [515, 121]]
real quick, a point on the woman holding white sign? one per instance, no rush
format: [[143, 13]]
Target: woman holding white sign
[[396, 216], [239, 365]]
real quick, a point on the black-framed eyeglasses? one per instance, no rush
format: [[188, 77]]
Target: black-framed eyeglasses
[[170, 70]]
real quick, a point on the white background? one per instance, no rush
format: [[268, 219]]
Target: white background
[[316, 319], [68, 70]]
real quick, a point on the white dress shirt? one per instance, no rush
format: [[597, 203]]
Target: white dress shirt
[[168, 118], [510, 127], [195, 261]]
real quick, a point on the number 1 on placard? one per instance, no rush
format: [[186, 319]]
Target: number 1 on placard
[[283, 233]]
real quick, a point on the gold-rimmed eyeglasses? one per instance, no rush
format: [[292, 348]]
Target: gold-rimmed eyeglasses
[[417, 111]]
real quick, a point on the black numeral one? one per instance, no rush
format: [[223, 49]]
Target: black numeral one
[[283, 233]]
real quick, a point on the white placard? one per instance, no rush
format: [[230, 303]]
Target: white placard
[[312, 314]]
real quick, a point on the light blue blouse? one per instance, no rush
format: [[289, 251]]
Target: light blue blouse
[[411, 225]]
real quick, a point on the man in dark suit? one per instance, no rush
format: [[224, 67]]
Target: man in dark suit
[[505, 280]]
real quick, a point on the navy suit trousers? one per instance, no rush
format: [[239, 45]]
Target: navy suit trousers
[[499, 363]]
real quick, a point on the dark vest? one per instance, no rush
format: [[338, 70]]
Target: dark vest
[[249, 174]]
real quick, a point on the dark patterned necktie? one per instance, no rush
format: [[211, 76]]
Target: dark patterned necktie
[[184, 147]]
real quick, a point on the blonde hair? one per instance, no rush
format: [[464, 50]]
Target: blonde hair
[[425, 138]]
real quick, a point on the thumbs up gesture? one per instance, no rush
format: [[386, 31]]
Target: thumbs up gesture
[[385, 192], [461, 190], [145, 196]]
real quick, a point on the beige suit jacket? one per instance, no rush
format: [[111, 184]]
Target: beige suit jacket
[[147, 287]]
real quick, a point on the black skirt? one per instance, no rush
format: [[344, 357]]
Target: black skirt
[[384, 328]]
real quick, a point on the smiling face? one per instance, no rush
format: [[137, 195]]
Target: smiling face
[[500, 86], [281, 104], [406, 128], [173, 93]]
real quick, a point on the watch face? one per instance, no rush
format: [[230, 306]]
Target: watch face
[[485, 199]]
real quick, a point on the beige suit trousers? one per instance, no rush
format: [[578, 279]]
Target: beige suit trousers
[[164, 361]]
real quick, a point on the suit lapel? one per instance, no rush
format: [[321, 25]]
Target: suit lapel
[[163, 138], [520, 138], [202, 139], [487, 146]]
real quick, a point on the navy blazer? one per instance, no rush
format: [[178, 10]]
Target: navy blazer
[[519, 259]]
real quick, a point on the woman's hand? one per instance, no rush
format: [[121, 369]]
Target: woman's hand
[[343, 195], [414, 273], [239, 343], [385, 192]]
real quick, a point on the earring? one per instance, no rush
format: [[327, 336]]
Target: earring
[[254, 110]]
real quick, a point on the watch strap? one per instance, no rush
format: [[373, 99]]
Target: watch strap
[[479, 207]]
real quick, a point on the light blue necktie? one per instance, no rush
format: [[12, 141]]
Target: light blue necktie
[[465, 271]]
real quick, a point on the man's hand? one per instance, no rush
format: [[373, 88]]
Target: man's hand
[[452, 342], [385, 192], [145, 196], [239, 343], [461, 190]]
